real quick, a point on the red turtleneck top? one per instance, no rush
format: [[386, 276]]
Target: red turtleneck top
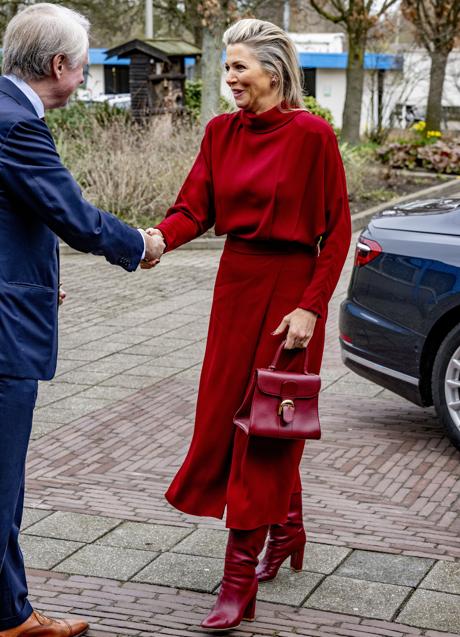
[[276, 176]]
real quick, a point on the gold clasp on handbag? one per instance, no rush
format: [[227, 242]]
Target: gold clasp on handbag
[[285, 403]]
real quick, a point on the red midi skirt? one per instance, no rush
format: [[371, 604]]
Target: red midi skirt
[[257, 284]]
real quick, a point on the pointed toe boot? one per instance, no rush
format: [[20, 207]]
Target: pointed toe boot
[[285, 540], [236, 600]]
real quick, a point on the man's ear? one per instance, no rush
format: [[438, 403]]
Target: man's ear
[[57, 65]]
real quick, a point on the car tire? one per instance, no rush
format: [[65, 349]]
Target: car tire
[[445, 384]]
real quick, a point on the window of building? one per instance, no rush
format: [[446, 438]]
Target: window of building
[[309, 81]]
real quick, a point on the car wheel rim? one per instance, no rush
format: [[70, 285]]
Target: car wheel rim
[[452, 388]]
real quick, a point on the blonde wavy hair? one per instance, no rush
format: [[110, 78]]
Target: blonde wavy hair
[[276, 53]]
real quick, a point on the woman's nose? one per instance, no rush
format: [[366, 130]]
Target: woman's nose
[[230, 77]]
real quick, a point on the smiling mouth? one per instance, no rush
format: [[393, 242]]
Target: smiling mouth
[[237, 93]]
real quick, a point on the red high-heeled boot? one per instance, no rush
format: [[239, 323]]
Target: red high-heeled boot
[[237, 595], [285, 540]]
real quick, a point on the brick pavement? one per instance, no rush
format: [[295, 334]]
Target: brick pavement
[[113, 426]]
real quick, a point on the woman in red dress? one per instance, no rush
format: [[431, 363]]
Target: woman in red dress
[[270, 177]]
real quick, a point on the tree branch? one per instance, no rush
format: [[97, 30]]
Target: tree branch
[[325, 14]]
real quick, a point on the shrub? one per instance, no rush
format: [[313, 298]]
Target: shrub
[[440, 156], [312, 105], [79, 117], [133, 171], [193, 97], [356, 165], [192, 100]]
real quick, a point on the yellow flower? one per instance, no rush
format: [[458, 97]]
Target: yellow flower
[[419, 126], [433, 133]]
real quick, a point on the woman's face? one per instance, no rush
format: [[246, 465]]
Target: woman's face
[[252, 87]]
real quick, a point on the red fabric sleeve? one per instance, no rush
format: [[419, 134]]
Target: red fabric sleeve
[[336, 238], [193, 212]]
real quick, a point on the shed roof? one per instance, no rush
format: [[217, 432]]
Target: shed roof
[[159, 47]]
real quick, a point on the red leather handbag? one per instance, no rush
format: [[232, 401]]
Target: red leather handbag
[[281, 404]]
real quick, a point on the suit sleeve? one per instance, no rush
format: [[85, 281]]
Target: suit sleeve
[[336, 240], [32, 172], [193, 212]]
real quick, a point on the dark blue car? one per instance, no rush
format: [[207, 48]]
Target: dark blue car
[[400, 323]]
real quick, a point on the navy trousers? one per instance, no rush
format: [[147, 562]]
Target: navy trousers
[[17, 402]]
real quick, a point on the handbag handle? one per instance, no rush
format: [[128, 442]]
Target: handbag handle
[[277, 357]]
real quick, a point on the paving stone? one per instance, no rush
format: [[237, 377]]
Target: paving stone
[[150, 537], [190, 375], [402, 570], [31, 516], [65, 365], [289, 587], [206, 542], [132, 382], [183, 571], [83, 404], [106, 561], [431, 609], [152, 370], [111, 394], [42, 428], [322, 558], [73, 526], [58, 415], [52, 392], [158, 346], [444, 576], [356, 388], [45, 553], [358, 597], [83, 377]]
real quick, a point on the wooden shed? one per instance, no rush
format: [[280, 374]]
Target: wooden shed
[[156, 74]]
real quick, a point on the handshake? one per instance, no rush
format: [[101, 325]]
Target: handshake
[[154, 248]]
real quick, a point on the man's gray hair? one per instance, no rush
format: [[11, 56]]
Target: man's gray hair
[[36, 34]]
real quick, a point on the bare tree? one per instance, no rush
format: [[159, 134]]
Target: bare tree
[[357, 17], [437, 26], [111, 20]]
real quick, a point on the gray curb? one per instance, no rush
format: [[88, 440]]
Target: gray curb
[[359, 220]]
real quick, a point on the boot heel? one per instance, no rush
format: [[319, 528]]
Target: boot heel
[[250, 612], [297, 559]]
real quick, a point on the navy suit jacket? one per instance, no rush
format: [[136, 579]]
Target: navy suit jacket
[[40, 201]]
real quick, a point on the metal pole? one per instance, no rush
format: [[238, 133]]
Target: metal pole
[[286, 15], [149, 19]]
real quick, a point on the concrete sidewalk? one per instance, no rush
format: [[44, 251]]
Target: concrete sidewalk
[[381, 491]]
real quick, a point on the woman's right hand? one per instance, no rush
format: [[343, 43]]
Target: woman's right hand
[[153, 231]]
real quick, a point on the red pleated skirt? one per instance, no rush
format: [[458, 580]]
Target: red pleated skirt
[[257, 284]]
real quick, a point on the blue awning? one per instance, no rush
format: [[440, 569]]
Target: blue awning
[[97, 56], [383, 61]]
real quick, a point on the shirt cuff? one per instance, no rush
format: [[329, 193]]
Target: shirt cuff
[[143, 239]]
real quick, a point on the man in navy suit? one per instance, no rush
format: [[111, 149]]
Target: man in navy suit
[[44, 53]]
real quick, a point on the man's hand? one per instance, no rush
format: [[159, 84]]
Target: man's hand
[[62, 294], [154, 248], [301, 324]]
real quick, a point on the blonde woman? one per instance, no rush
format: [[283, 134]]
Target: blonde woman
[[270, 177]]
